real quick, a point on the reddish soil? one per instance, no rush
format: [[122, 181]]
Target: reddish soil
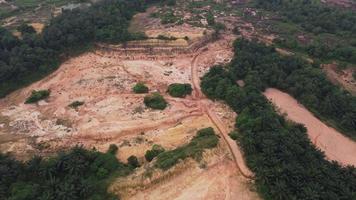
[[335, 145], [112, 114]]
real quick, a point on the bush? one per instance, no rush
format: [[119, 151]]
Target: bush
[[37, 96], [210, 19], [113, 149], [140, 88], [76, 104], [155, 101], [163, 37], [234, 135], [236, 30], [155, 151], [168, 18], [219, 26], [171, 2], [133, 161], [25, 28], [179, 90]]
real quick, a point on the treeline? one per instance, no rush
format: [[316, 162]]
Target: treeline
[[313, 16], [334, 28], [77, 174], [26, 59], [279, 152], [304, 81]]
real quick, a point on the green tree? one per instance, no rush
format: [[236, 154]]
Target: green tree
[[155, 101], [179, 90], [37, 96], [210, 19], [140, 88], [155, 151], [133, 161]]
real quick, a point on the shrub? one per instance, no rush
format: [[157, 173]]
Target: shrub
[[219, 26], [138, 36], [112, 149], [155, 101], [168, 18], [25, 28], [133, 161], [171, 2], [179, 90], [155, 151], [234, 135], [163, 37], [236, 30], [140, 88], [37, 96], [76, 104], [210, 18]]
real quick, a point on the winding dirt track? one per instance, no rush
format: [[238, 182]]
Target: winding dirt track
[[205, 105], [335, 145]]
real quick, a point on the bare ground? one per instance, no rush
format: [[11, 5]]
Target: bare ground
[[341, 77], [112, 114]]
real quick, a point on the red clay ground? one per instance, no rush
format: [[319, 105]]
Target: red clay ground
[[112, 114]]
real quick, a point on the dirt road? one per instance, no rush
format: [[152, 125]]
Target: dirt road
[[205, 105]]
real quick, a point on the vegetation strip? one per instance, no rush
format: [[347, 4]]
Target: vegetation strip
[[285, 162], [77, 174], [205, 139], [311, 27]]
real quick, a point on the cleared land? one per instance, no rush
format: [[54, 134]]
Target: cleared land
[[113, 114]]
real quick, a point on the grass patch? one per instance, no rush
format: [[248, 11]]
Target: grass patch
[[205, 139]]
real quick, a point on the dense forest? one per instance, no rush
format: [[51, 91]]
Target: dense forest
[[279, 152], [304, 81], [333, 30], [313, 16], [77, 174], [26, 59], [86, 174]]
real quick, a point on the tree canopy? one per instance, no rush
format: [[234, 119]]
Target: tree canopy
[[76, 174], [286, 164]]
